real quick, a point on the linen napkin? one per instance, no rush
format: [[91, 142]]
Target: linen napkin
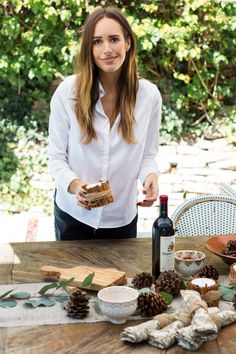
[[166, 337], [139, 333]]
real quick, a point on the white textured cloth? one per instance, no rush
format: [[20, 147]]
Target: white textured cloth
[[20, 315], [107, 158]]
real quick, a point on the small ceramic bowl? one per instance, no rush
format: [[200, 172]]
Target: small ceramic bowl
[[189, 262], [118, 302]]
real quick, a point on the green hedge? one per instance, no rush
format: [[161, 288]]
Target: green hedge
[[186, 47]]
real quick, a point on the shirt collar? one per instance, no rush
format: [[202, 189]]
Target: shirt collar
[[101, 89]]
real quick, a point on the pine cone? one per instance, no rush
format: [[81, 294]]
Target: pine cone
[[169, 281], [230, 249], [209, 272], [151, 304], [77, 304], [142, 280]]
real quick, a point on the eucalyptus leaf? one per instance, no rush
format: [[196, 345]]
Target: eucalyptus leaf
[[167, 297], [48, 287], [20, 295], [64, 283], [88, 280], [62, 297], [227, 292], [42, 302], [97, 306], [5, 294], [8, 303]]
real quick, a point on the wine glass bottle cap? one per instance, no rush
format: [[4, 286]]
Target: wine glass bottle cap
[[163, 199]]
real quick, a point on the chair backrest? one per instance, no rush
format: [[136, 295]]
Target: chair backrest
[[228, 189], [207, 215]]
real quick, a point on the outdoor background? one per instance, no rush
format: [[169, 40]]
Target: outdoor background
[[187, 48]]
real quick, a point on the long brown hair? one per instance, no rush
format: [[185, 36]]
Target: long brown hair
[[87, 87]]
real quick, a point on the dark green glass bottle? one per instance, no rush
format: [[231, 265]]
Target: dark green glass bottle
[[163, 241]]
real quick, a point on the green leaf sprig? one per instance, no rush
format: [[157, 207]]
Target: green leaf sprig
[[44, 298], [5, 294], [167, 297], [10, 301], [56, 286], [88, 280], [41, 298], [41, 302], [7, 301]]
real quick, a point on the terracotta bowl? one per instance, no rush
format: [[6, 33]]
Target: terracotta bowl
[[217, 245]]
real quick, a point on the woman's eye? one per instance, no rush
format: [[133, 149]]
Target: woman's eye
[[97, 41], [115, 39]]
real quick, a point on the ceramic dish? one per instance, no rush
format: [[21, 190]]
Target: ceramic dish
[[118, 302], [217, 245], [189, 262]]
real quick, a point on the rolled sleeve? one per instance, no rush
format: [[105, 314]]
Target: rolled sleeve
[[149, 161], [59, 125]]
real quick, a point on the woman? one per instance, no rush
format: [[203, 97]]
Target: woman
[[104, 125]]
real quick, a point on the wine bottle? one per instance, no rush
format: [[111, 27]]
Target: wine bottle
[[163, 241]]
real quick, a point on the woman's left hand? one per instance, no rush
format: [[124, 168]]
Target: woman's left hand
[[150, 189]]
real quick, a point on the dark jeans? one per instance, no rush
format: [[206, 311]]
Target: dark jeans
[[68, 228]]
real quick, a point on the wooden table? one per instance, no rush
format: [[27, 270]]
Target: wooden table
[[21, 262]]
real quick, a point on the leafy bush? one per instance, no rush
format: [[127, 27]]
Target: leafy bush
[[185, 46], [23, 156]]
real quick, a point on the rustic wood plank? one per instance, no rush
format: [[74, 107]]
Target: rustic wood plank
[[121, 255], [99, 338], [103, 277], [6, 263], [3, 339]]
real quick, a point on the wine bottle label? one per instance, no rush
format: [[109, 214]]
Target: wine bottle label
[[167, 253]]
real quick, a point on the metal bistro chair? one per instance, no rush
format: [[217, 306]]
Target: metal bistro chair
[[207, 215], [228, 189]]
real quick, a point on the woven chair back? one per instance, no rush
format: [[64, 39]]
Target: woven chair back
[[207, 215]]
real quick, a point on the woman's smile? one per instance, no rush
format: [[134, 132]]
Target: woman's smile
[[109, 60]]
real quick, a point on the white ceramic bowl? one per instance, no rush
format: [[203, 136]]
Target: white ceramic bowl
[[189, 262], [118, 302]]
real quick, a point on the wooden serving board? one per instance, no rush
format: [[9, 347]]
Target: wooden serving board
[[103, 276]]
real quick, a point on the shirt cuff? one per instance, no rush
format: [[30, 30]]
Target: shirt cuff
[[151, 168], [68, 178]]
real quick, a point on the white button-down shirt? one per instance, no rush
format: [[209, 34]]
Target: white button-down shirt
[[107, 158]]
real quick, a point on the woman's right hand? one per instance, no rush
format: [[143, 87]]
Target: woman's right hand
[[77, 187]]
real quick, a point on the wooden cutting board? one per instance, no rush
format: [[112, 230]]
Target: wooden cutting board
[[103, 276]]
